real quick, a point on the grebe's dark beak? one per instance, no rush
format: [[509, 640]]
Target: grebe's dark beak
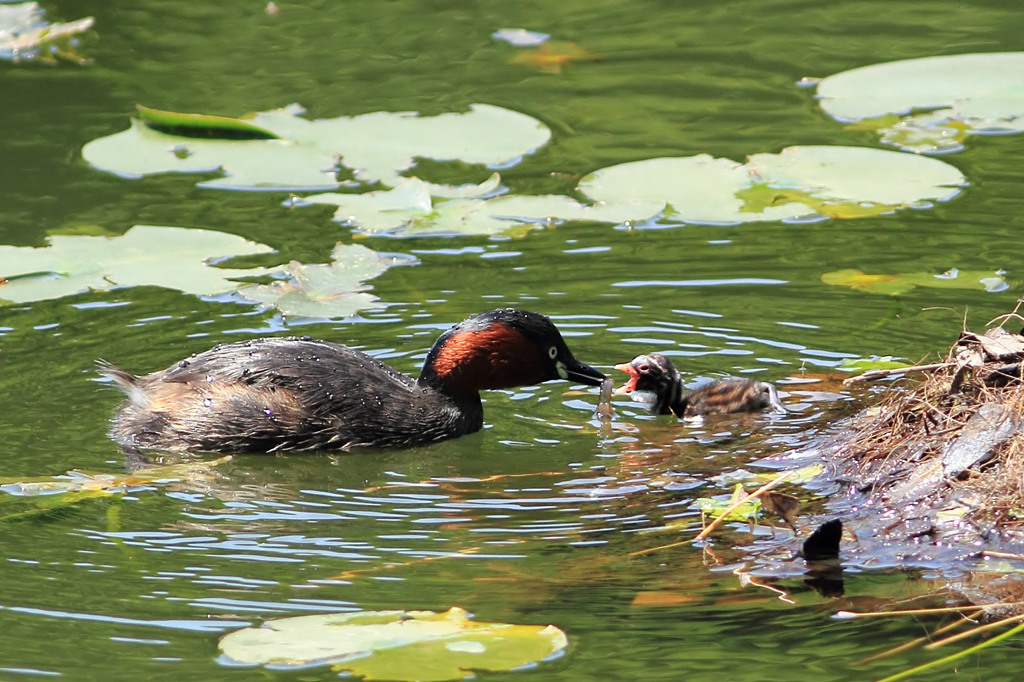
[[630, 385], [574, 370]]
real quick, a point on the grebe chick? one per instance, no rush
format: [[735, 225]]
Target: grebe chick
[[656, 374], [278, 394]]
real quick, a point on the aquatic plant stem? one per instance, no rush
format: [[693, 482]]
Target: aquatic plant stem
[[953, 657]]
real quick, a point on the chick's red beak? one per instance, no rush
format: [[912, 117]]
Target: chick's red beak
[[630, 385]]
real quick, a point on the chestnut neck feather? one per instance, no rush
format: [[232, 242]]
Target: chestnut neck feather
[[467, 362]]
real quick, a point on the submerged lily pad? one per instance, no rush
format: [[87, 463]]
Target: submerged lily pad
[[26, 35], [409, 208], [107, 483], [333, 290], [930, 105], [377, 147], [42, 494], [552, 56], [172, 257], [394, 645], [799, 183], [900, 284]]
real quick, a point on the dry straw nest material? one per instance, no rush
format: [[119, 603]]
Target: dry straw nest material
[[949, 449]]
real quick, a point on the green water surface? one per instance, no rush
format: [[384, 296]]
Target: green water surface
[[535, 519]]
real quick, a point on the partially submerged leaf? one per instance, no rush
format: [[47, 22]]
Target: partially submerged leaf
[[552, 56], [930, 105], [333, 290], [84, 481], [799, 183], [26, 35], [172, 257], [893, 285], [377, 147], [394, 645], [45, 494], [876, 284]]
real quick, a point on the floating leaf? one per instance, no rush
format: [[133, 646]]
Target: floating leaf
[[394, 645], [901, 284], [409, 209], [716, 506], [877, 284], [377, 147], [798, 183], [26, 35], [804, 474], [930, 105], [329, 291], [172, 257], [874, 362], [202, 126]]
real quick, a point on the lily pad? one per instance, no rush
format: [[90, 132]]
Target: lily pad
[[377, 147], [717, 506], [37, 495], [172, 257], [799, 183], [394, 645], [333, 290], [861, 365], [893, 285], [409, 208], [930, 105], [25, 35]]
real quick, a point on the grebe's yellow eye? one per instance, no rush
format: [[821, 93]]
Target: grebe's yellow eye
[[552, 352]]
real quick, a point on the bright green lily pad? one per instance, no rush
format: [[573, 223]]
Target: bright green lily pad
[[717, 506], [333, 290], [409, 208], [930, 105], [377, 147], [799, 183], [394, 645], [893, 285], [172, 257], [25, 35]]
